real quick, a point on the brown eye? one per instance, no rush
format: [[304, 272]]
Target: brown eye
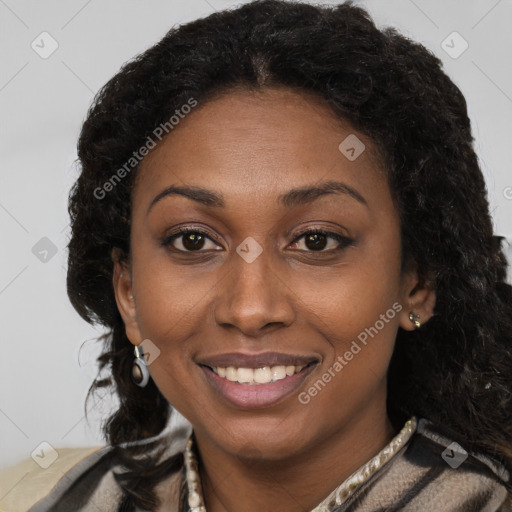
[[190, 240], [193, 241], [316, 240]]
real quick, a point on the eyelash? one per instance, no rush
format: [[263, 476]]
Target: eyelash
[[343, 240]]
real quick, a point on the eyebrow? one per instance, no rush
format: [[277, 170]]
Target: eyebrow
[[294, 197]]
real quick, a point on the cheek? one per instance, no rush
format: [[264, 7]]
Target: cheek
[[171, 310], [167, 300], [357, 310], [360, 331], [355, 296]]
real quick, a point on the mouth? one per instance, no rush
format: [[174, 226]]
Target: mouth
[[256, 381], [257, 376]]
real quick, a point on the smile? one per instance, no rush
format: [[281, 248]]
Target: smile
[[257, 376], [250, 388]]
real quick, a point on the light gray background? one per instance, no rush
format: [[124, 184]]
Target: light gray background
[[44, 379]]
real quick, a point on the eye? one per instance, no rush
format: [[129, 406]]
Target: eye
[[316, 240], [192, 240]]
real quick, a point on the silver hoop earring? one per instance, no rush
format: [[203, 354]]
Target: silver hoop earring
[[140, 372]]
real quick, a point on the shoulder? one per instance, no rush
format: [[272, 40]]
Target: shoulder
[[84, 479], [453, 455], [450, 474], [24, 484], [424, 468]]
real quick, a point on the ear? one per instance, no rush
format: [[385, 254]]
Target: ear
[[419, 299], [125, 300]]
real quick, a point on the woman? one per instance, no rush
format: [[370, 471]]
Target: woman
[[281, 219]]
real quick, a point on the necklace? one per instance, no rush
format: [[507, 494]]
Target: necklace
[[336, 498], [195, 493]]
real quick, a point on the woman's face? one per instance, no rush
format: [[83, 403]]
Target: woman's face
[[251, 287]]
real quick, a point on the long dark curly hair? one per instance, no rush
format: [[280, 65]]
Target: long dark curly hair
[[456, 370]]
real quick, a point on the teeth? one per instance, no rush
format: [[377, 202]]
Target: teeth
[[245, 375], [264, 375], [278, 372], [231, 374], [290, 370]]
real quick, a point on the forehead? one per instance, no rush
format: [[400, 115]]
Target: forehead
[[263, 142]]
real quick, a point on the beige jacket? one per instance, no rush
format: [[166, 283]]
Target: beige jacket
[[26, 483], [81, 479]]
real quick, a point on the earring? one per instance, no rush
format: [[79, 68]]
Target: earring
[[140, 372], [415, 319]]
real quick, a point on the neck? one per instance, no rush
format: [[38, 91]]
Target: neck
[[296, 484]]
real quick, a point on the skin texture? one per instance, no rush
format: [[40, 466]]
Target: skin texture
[[251, 147]]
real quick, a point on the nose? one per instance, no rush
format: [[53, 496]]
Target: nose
[[253, 297]]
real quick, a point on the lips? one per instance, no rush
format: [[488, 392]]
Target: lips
[[245, 392], [240, 360]]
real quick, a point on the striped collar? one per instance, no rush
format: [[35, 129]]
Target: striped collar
[[335, 498]]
